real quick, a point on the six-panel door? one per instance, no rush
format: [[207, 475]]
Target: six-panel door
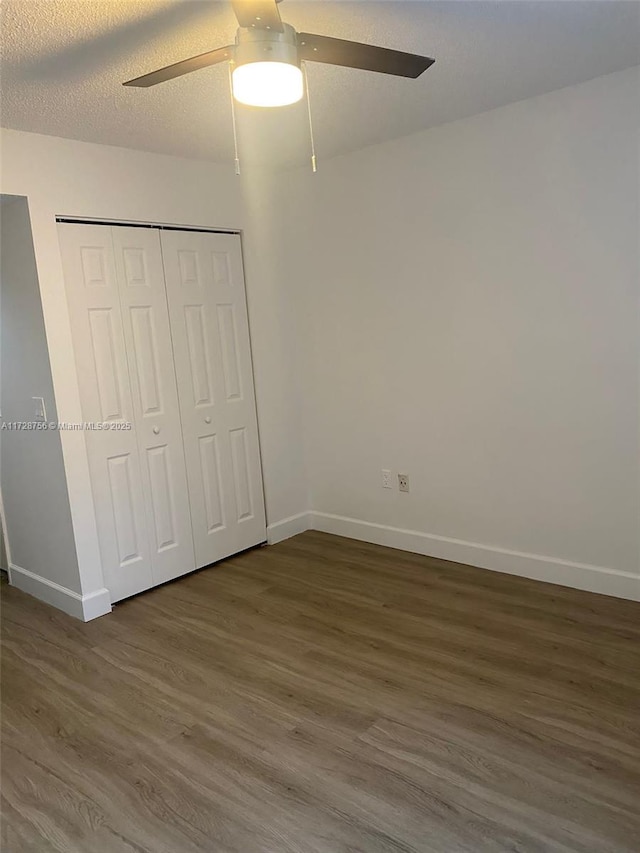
[[103, 375], [210, 331], [187, 472]]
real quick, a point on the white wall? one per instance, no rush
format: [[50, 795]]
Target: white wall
[[471, 295], [32, 479], [64, 177]]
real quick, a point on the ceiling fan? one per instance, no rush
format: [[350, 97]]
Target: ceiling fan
[[267, 58]]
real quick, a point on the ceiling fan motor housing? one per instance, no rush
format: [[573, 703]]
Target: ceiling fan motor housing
[[256, 45]]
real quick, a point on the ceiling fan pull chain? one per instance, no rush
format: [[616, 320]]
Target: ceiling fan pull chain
[[233, 122], [314, 164]]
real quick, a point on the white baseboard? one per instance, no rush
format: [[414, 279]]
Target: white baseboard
[[577, 575], [288, 527], [84, 607], [96, 604]]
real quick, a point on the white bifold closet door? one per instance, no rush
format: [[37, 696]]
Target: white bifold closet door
[[149, 513], [210, 330]]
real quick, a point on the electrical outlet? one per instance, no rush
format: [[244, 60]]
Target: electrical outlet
[[403, 482], [386, 479]]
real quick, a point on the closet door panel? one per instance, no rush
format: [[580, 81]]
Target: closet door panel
[[99, 346], [209, 323], [155, 400]]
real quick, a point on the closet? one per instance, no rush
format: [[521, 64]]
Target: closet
[[161, 341]]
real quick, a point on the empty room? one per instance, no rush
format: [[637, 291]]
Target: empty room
[[320, 426]]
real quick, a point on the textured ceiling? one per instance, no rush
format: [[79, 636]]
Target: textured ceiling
[[63, 63]]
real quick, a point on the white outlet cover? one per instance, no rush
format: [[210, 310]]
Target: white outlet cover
[[403, 482], [386, 479]]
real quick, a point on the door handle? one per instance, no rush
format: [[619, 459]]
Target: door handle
[[207, 420], [156, 430]]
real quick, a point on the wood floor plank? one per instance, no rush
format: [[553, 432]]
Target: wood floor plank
[[325, 696]]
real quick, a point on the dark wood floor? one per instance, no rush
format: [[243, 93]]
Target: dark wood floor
[[325, 696]]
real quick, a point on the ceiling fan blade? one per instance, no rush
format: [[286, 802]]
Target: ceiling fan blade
[[203, 60], [259, 14], [353, 54]]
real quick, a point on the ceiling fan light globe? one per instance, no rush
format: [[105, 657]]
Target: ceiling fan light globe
[[267, 84]]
